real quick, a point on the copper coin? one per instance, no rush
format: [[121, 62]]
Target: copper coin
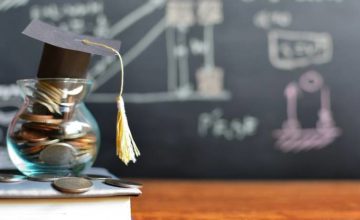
[[17, 137], [87, 139], [32, 149], [41, 126], [49, 119], [32, 136], [34, 117]]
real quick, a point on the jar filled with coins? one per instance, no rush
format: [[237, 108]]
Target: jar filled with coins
[[53, 132]]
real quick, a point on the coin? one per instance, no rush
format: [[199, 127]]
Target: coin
[[41, 126], [46, 105], [32, 136], [122, 183], [72, 184], [74, 127], [33, 149], [44, 177], [50, 89], [49, 119], [58, 154], [73, 136], [34, 117], [80, 146], [72, 92], [96, 177], [87, 139], [11, 178], [44, 143]]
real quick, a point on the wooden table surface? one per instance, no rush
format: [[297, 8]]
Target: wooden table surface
[[248, 200]]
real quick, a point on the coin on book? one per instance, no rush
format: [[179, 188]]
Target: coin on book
[[72, 184], [122, 183], [11, 178]]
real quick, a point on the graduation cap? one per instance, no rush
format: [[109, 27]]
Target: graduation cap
[[64, 54]]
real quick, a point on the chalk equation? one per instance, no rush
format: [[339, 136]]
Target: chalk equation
[[214, 124], [292, 137], [289, 50], [269, 19]]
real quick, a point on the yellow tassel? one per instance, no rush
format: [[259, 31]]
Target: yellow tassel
[[126, 148]]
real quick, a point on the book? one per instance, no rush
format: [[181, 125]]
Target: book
[[39, 200]]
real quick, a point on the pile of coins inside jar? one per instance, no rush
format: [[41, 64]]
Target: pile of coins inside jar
[[49, 134], [73, 184]]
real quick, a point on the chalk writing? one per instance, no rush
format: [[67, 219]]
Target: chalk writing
[[214, 124]]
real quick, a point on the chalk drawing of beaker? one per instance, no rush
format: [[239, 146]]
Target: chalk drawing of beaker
[[292, 137]]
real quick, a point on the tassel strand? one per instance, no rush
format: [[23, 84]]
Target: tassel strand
[[126, 148]]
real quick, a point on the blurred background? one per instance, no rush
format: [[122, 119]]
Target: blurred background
[[214, 88]]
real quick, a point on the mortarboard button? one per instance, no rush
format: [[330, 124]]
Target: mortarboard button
[[64, 55]]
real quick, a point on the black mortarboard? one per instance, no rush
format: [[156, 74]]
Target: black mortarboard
[[64, 55]]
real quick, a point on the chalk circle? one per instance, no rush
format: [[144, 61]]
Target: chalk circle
[[311, 81]]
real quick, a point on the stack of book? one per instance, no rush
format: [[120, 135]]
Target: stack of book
[[30, 199]]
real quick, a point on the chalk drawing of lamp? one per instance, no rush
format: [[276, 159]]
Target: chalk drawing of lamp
[[292, 137]]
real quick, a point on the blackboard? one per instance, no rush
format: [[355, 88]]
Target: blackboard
[[214, 88]]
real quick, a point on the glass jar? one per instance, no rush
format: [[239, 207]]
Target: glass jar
[[53, 132]]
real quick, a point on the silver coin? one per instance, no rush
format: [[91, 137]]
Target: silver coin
[[58, 154], [11, 178], [73, 136], [96, 177], [72, 127], [122, 183], [73, 184], [44, 177]]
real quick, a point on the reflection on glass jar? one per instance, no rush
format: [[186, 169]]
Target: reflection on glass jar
[[53, 132]]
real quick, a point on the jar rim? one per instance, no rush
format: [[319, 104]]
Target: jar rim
[[66, 80]]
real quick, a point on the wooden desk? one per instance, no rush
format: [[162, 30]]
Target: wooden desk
[[248, 200]]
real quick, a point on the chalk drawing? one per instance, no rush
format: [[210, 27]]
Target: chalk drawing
[[292, 137], [289, 50], [215, 125], [79, 17], [269, 19], [6, 5], [179, 18]]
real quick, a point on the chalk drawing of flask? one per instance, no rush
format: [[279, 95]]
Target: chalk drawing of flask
[[293, 138]]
